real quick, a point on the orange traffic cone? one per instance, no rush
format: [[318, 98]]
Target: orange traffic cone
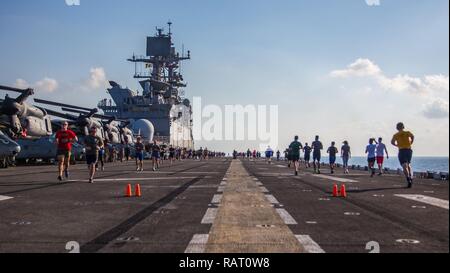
[[343, 191], [138, 190], [335, 191], [128, 191]]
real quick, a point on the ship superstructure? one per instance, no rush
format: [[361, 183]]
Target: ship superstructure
[[161, 100]]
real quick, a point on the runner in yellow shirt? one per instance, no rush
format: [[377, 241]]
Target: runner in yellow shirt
[[404, 140]]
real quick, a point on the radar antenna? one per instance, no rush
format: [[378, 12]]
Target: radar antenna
[[170, 28]]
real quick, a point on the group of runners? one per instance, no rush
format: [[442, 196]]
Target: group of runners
[[95, 152], [376, 152], [94, 147]]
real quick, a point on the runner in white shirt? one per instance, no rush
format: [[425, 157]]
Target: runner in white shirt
[[381, 149], [371, 155]]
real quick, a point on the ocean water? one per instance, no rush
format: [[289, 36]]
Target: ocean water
[[419, 164]]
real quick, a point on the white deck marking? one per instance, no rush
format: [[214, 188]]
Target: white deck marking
[[217, 199], [210, 216], [259, 183], [277, 174], [272, 199], [287, 218], [335, 179], [281, 166], [132, 179], [221, 189], [308, 243], [147, 172], [223, 183], [4, 198], [177, 186], [264, 189], [426, 199], [197, 244], [365, 175]]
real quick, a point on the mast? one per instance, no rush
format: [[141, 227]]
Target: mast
[[162, 76]]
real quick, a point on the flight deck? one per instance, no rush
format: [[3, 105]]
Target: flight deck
[[219, 205]]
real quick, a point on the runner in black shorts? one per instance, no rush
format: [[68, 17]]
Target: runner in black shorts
[[289, 157], [139, 147], [156, 155], [92, 143], [307, 150], [295, 148], [162, 155], [317, 147], [332, 151], [171, 154], [404, 141]]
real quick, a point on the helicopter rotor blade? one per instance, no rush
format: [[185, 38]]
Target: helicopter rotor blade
[[25, 93], [60, 115], [7, 88], [74, 111], [99, 116], [53, 103]]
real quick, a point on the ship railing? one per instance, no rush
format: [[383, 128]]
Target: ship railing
[[108, 108]]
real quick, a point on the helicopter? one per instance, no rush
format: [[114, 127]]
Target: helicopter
[[111, 127], [113, 130], [23, 120], [116, 130], [83, 122], [45, 149], [20, 123]]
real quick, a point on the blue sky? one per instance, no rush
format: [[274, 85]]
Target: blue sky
[[254, 52]]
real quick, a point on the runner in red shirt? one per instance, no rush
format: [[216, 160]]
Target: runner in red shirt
[[64, 139]]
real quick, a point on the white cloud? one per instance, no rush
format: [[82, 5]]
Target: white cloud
[[403, 83], [436, 109], [21, 83], [48, 85], [97, 78], [360, 68], [373, 2], [438, 82], [428, 87], [400, 83]]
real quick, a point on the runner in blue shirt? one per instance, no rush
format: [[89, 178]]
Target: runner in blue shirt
[[269, 155]]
